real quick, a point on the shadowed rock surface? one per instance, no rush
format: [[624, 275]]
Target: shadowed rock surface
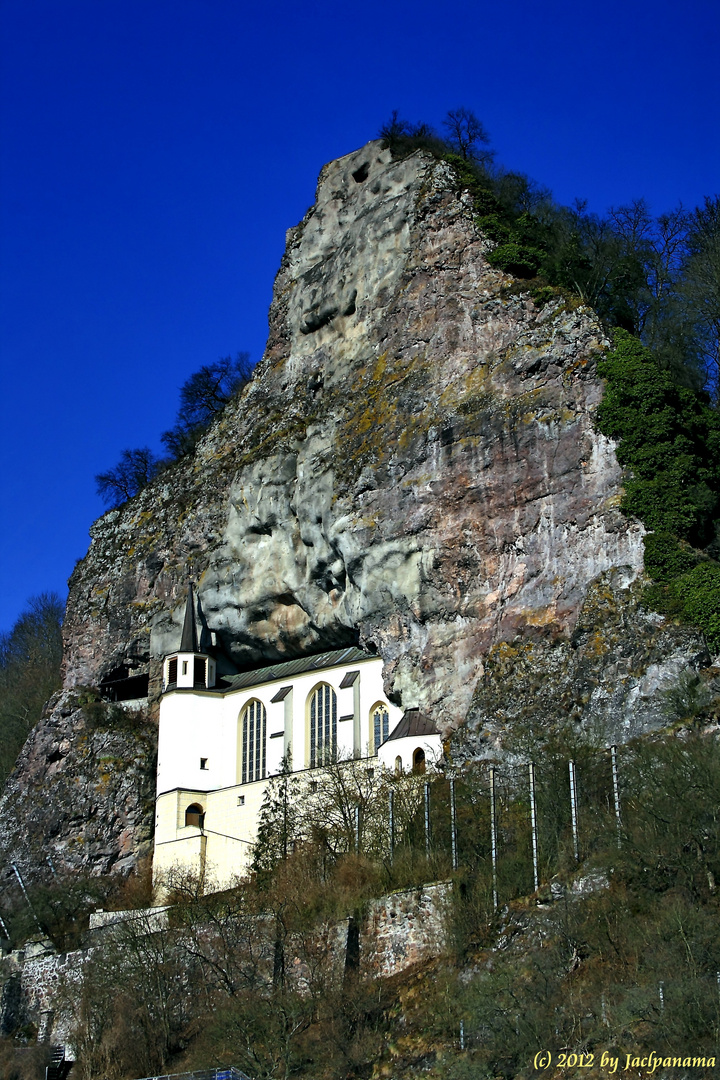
[[82, 792]]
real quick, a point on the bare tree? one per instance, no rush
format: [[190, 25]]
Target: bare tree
[[467, 135], [133, 472], [701, 285], [30, 656], [203, 397]]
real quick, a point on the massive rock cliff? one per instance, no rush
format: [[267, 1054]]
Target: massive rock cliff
[[414, 465]]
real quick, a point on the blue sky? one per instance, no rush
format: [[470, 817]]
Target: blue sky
[[153, 153]]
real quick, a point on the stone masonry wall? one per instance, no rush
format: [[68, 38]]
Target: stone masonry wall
[[398, 932]]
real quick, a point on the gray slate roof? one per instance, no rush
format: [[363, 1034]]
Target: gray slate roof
[[188, 641], [288, 668], [414, 724]]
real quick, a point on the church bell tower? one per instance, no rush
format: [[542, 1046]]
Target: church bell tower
[[188, 668]]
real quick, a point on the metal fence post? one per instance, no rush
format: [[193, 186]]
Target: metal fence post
[[391, 807], [533, 825], [427, 819], [453, 824], [616, 792], [493, 837], [573, 810], [357, 828]]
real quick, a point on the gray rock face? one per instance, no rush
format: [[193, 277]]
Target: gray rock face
[[81, 793], [414, 463], [609, 679]]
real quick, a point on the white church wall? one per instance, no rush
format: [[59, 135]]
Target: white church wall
[[405, 749], [204, 728], [193, 730]]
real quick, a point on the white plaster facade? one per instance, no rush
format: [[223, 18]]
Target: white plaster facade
[[208, 802]]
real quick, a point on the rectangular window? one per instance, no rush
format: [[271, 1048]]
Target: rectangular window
[[203, 763], [184, 667], [199, 672], [241, 800], [172, 670]]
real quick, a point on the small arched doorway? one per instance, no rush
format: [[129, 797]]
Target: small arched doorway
[[195, 816], [419, 760]]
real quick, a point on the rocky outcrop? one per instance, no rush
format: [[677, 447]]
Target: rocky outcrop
[[414, 464], [82, 793], [610, 678]]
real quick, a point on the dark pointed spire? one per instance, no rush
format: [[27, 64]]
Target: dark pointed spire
[[188, 641]]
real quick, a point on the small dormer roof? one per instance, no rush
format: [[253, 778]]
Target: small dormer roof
[[188, 641]]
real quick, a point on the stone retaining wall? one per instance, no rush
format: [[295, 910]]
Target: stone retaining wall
[[397, 932]]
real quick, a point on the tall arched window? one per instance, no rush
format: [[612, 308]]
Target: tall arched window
[[380, 724], [254, 722], [323, 726]]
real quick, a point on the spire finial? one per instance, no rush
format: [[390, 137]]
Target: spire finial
[[188, 641]]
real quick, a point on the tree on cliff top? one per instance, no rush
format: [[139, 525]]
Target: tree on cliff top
[[466, 135]]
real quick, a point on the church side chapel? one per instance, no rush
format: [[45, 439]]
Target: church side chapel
[[221, 740]]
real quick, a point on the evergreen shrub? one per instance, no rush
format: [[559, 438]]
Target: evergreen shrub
[[669, 439]]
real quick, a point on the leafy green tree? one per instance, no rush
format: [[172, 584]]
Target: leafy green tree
[[669, 439], [279, 824]]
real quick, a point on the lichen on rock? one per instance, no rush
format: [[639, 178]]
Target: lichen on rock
[[608, 682]]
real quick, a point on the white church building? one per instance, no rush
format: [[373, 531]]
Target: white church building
[[221, 740]]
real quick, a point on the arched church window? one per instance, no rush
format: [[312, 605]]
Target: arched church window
[[380, 720], [195, 815], [323, 725], [254, 723], [419, 760], [398, 766]]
